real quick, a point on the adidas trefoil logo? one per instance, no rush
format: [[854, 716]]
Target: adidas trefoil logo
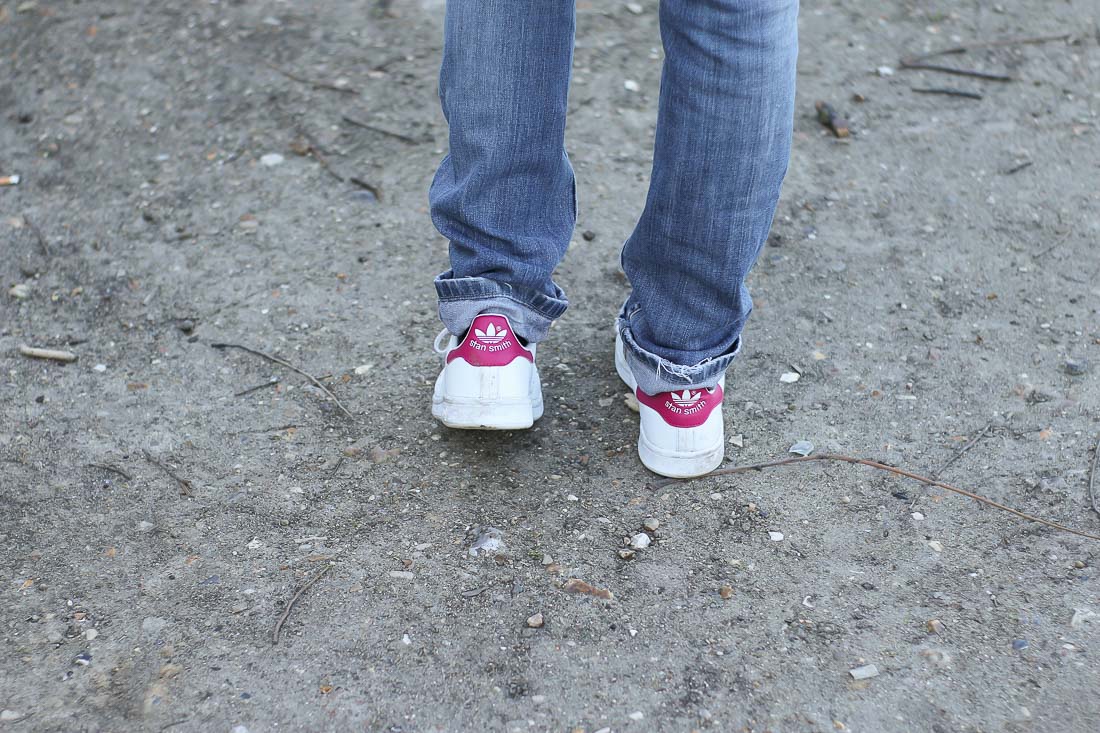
[[687, 398], [491, 334]]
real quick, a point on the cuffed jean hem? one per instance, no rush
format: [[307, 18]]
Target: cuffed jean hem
[[656, 374], [529, 311]]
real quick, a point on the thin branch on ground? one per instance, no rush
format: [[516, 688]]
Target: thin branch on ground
[[316, 382], [312, 149], [1092, 478], [1020, 41], [882, 467], [970, 444], [38, 235], [277, 633], [112, 469], [948, 92], [185, 485], [367, 185], [270, 383], [381, 130], [987, 76], [313, 82]]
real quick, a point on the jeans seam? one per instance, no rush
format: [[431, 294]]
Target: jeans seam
[[528, 306]]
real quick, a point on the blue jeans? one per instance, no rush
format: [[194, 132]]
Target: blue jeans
[[505, 194]]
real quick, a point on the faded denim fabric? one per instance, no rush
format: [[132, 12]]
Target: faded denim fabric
[[505, 194]]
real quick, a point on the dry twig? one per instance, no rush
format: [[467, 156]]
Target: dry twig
[[947, 91], [1019, 41], [1092, 477], [316, 382], [185, 485], [277, 633], [882, 467], [313, 82], [916, 63], [112, 469], [38, 235], [382, 131], [958, 454], [269, 383]]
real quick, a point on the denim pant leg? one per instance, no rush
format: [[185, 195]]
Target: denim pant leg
[[722, 148], [505, 195]]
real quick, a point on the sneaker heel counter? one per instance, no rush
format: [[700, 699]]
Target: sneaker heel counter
[[490, 342]]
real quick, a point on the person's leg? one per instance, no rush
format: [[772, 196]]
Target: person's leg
[[722, 148], [504, 195]]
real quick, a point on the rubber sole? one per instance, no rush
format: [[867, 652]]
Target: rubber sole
[[476, 415]]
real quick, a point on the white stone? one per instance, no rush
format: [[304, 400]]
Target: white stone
[[631, 86], [640, 541], [775, 536], [865, 672], [403, 574], [936, 545], [789, 377], [272, 159]]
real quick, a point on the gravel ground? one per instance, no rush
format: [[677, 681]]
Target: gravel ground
[[187, 179]]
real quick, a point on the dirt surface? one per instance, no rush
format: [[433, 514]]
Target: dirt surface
[[924, 284]]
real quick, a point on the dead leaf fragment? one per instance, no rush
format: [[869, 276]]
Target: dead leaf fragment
[[577, 586]]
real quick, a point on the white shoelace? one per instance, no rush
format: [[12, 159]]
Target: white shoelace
[[443, 337]]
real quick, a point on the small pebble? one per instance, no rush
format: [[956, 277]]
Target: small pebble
[[271, 159], [20, 291], [186, 325], [100, 368], [1020, 644], [865, 672], [935, 626], [588, 235], [651, 524], [635, 8], [775, 536], [1082, 616], [738, 440], [91, 634], [640, 541], [936, 545], [917, 516], [626, 554], [145, 526], [725, 592], [1076, 367], [363, 369], [7, 716], [802, 448], [636, 715], [403, 574], [1079, 564], [631, 86], [536, 621], [789, 377]]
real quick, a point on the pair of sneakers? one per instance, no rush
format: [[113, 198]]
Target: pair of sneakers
[[489, 381]]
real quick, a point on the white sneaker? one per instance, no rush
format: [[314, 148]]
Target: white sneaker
[[489, 379], [681, 433]]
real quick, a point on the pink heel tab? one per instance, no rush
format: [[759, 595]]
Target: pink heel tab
[[687, 408], [490, 342]]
